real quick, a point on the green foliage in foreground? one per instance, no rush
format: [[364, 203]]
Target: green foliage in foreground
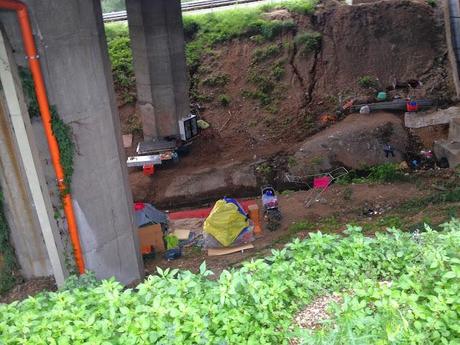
[[255, 304], [420, 306]]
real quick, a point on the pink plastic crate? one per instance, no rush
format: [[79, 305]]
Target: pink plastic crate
[[321, 182]]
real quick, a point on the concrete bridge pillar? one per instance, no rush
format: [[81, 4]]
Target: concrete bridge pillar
[[73, 54], [157, 41]]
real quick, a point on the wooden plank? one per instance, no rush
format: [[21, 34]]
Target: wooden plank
[[225, 251]]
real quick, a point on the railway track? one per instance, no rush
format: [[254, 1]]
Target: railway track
[[187, 6]]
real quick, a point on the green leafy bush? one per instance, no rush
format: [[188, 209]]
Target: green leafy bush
[[64, 136], [191, 27], [29, 92], [265, 87], [388, 172], [85, 281], [116, 30], [224, 100], [265, 53], [218, 80], [122, 63], [419, 306], [122, 59], [367, 82], [308, 41], [278, 70], [398, 288]]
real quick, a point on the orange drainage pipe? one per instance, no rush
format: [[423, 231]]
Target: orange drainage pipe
[[42, 98]]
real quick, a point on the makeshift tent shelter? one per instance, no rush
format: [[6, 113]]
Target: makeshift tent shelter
[[227, 224], [146, 214]]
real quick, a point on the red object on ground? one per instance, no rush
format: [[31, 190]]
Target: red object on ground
[[321, 182], [411, 106], [204, 212], [149, 169], [139, 206]]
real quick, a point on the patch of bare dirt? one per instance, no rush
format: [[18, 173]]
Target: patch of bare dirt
[[428, 135], [29, 288], [314, 314]]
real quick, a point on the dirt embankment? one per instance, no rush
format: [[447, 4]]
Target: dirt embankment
[[265, 99]]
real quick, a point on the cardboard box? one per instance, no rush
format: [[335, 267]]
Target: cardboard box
[[151, 236]]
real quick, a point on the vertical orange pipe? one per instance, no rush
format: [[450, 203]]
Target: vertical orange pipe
[[42, 98]]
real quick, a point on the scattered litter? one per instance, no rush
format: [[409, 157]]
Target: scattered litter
[[181, 234], [382, 96], [403, 165], [202, 124], [141, 161], [327, 118], [411, 106], [151, 239], [254, 215], [348, 104], [272, 213], [145, 214], [364, 109], [226, 122], [152, 223], [173, 254], [148, 169], [174, 250], [370, 209], [171, 241], [127, 140]]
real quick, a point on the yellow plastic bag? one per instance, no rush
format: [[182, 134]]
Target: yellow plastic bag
[[225, 222]]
